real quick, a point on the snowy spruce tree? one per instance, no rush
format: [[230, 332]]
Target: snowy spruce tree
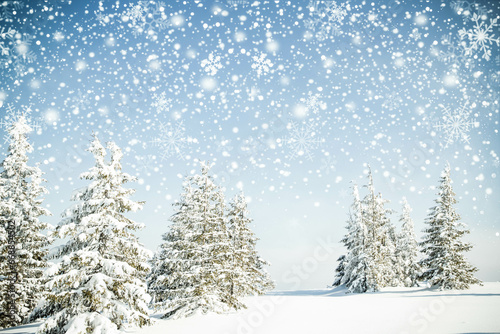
[[359, 268], [98, 285], [408, 267], [23, 246], [381, 237], [192, 270], [445, 265], [248, 276]]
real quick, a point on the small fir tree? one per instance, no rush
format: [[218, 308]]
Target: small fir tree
[[99, 284], [407, 253], [192, 270], [23, 246], [248, 276], [445, 265]]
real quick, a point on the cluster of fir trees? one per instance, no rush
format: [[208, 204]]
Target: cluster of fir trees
[[98, 282], [377, 256], [207, 260]]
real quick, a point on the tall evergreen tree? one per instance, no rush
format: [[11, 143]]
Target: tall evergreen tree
[[248, 276], [445, 265], [359, 267], [407, 252], [192, 269], [99, 284], [23, 246], [381, 237]]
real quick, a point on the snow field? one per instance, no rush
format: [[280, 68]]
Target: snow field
[[393, 310]]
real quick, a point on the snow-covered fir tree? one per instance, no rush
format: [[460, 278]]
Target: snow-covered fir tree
[[407, 253], [23, 246], [99, 284], [248, 276], [381, 237], [359, 270], [192, 269], [445, 265]]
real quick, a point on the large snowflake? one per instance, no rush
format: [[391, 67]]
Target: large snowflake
[[480, 37], [172, 140], [456, 124], [302, 140], [15, 53], [12, 115], [452, 53]]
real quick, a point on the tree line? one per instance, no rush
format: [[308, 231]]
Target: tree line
[[377, 256], [101, 278]]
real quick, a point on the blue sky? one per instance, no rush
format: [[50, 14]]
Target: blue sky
[[290, 100]]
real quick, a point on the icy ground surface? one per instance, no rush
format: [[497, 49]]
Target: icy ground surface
[[393, 310]]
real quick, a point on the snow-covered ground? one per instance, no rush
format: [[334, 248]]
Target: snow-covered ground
[[393, 310]]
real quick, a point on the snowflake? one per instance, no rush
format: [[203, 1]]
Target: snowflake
[[325, 18], [172, 140], [466, 8], [237, 2], [335, 13], [148, 17], [4, 34], [78, 102], [16, 53], [429, 119], [302, 140], [12, 115], [102, 18], [494, 77], [454, 53], [392, 101], [8, 7], [328, 164], [415, 34], [480, 37], [146, 163], [261, 65], [313, 102], [212, 64], [224, 146], [161, 103], [250, 146], [456, 125]]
